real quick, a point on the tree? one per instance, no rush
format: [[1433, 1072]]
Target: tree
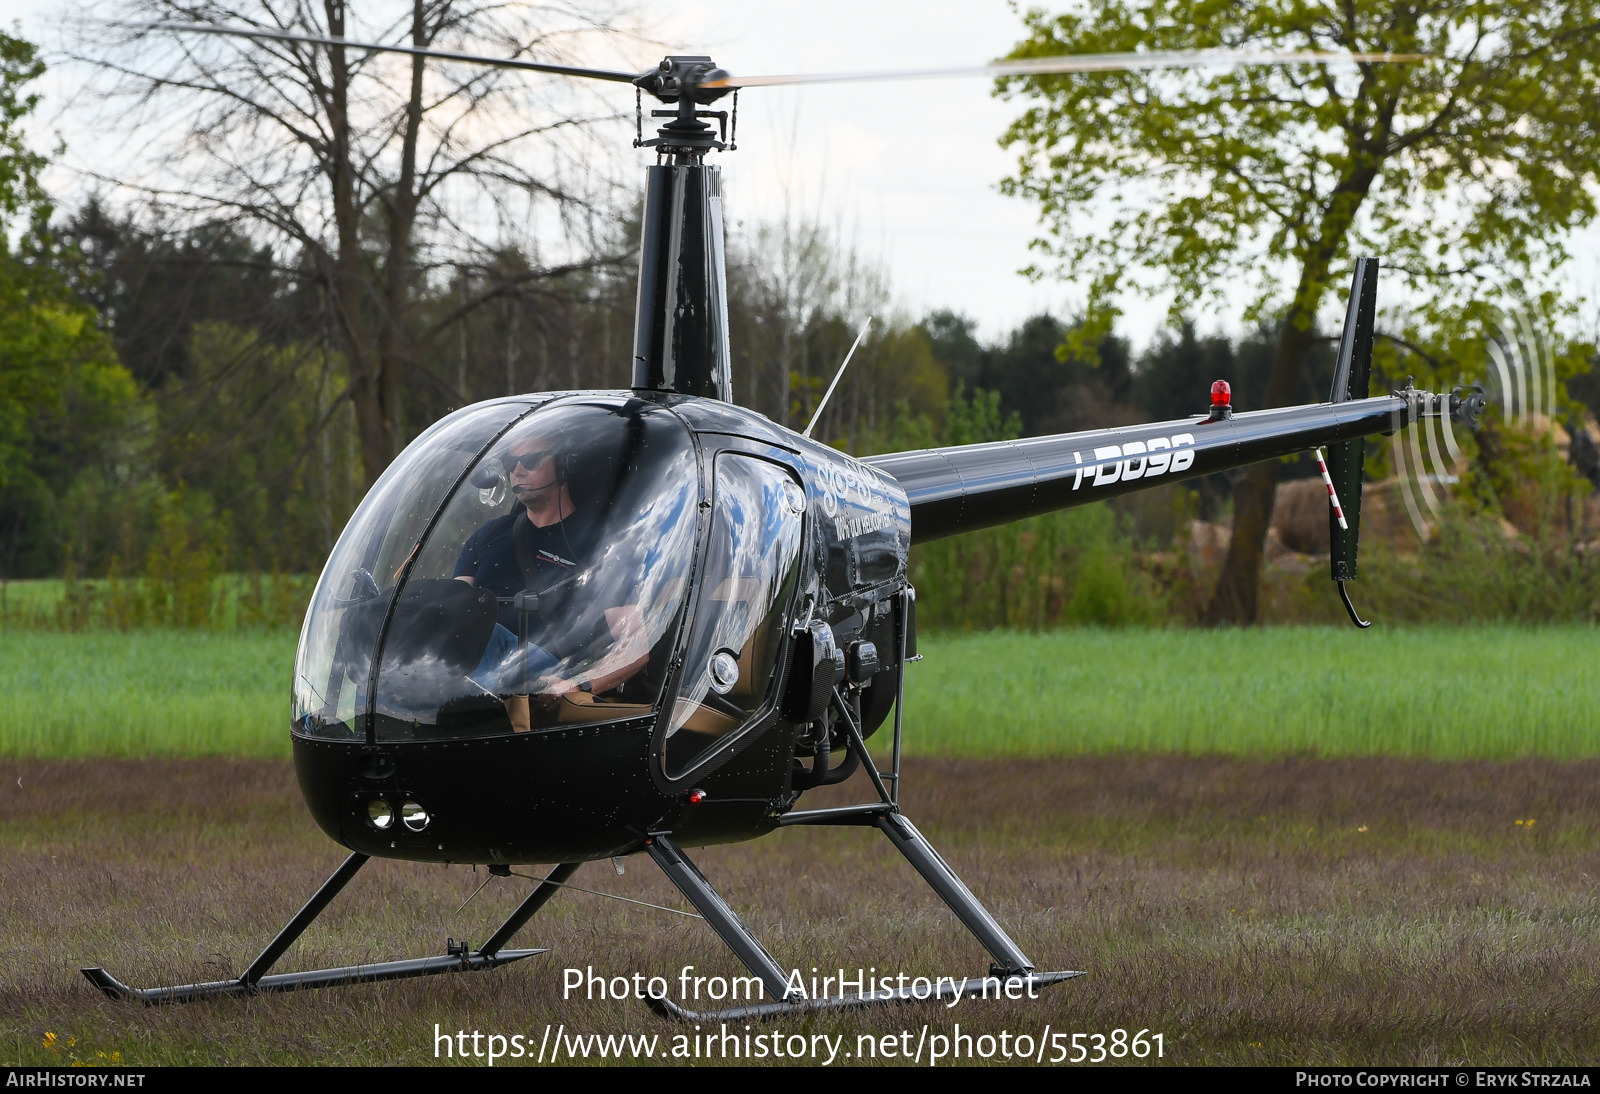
[[1465, 171], [63, 395], [372, 173], [153, 283], [788, 279], [21, 196]]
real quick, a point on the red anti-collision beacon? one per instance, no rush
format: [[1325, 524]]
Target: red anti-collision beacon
[[1221, 400]]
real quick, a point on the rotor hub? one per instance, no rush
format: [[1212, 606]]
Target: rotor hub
[[681, 81]]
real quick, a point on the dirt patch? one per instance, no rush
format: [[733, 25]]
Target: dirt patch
[[1296, 910]]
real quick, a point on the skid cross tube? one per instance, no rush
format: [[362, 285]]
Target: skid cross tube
[[1009, 960], [255, 979], [861, 815], [1011, 968], [297, 926], [709, 903], [525, 911]]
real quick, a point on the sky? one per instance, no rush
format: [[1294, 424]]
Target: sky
[[908, 172]]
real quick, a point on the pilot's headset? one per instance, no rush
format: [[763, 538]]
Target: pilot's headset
[[563, 455], [491, 478], [566, 458]]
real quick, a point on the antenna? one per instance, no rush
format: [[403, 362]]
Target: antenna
[[816, 414]]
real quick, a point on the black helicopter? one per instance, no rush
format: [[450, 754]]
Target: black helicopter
[[574, 626]]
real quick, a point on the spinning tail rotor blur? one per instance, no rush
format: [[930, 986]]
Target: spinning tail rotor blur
[[1520, 376], [1425, 479]]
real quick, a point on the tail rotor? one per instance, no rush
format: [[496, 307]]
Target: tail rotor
[[1522, 378], [1524, 365]]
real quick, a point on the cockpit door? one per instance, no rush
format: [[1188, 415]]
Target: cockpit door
[[728, 682]]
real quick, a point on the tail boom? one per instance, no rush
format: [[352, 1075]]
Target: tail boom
[[967, 487]]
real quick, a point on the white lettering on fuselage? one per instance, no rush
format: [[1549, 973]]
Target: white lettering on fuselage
[[1136, 460], [838, 486], [850, 527]]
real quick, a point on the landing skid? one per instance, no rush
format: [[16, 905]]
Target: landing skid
[[491, 954]]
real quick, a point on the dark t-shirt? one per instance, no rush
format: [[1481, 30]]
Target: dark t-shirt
[[555, 553]]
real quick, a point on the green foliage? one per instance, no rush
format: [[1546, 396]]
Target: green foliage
[[893, 380], [979, 419], [62, 390], [964, 421], [1070, 567], [64, 397], [910, 430], [179, 599], [252, 429], [242, 461], [1085, 338], [21, 196], [1465, 170], [1517, 473], [1101, 593], [1508, 546], [1473, 573], [1057, 377]]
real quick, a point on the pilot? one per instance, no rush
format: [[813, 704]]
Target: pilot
[[544, 547]]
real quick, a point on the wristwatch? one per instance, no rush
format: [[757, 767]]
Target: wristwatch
[[585, 684]]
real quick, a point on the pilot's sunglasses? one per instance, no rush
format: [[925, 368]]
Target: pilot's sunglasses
[[530, 461]]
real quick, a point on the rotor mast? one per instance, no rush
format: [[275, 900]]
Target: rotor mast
[[681, 323]]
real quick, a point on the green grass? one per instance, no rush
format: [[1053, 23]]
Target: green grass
[[1468, 692], [29, 597], [221, 602], [1442, 692], [145, 693]]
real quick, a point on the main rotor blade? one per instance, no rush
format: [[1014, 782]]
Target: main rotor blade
[[415, 51], [1083, 62]]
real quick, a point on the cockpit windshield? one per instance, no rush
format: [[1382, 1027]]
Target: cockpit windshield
[[546, 592]]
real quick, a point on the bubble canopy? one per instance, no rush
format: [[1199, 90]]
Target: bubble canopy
[[516, 569]]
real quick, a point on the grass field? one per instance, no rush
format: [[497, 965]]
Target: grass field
[[1253, 911], [1447, 693], [1290, 846], [223, 602], [145, 693]]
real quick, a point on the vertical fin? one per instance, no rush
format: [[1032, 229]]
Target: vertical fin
[[1351, 379]]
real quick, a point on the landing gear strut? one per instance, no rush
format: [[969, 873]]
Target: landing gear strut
[[255, 979]]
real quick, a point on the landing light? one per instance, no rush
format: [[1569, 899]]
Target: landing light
[[413, 816], [379, 813]]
